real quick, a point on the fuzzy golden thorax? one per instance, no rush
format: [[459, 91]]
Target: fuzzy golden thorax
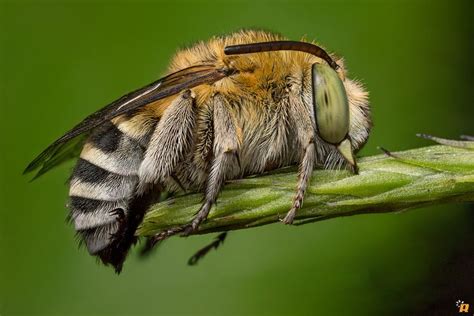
[[269, 79]]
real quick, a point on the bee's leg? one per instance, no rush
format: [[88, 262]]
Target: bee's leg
[[201, 253], [168, 145], [225, 152], [306, 168], [300, 119], [170, 142], [467, 137]]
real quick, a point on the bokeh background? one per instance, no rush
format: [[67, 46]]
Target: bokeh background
[[60, 61]]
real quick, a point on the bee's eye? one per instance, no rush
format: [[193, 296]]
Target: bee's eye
[[330, 103]]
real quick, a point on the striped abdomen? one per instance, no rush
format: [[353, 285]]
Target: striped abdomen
[[119, 173], [103, 185]]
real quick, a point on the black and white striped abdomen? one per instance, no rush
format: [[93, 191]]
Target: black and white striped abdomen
[[103, 183]]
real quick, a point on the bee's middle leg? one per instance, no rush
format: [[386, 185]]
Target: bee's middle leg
[[216, 179], [225, 152], [225, 158]]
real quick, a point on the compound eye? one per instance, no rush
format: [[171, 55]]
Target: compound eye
[[330, 103]]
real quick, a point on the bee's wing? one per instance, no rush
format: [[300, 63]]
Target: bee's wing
[[69, 145]]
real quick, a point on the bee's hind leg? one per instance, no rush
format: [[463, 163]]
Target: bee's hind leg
[[168, 146]]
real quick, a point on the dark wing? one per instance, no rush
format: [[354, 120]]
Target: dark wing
[[70, 144]]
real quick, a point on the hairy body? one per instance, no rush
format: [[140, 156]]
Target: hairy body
[[259, 117]]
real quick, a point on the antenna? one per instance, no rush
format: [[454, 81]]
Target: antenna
[[281, 45]]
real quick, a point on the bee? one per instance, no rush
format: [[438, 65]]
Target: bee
[[236, 105]]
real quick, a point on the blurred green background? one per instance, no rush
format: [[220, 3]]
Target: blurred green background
[[60, 61]]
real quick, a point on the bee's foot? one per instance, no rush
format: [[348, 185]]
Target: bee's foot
[[297, 204], [190, 228], [290, 216], [164, 235], [200, 217]]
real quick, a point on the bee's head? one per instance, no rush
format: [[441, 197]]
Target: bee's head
[[341, 111]]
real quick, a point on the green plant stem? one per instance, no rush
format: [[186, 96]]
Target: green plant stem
[[386, 183]]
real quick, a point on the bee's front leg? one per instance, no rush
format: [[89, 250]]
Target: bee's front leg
[[304, 129], [306, 169]]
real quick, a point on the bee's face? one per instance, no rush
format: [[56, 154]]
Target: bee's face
[[332, 111]]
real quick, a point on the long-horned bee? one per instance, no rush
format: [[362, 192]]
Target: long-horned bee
[[236, 105]]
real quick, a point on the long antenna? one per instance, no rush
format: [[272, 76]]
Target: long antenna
[[281, 45]]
